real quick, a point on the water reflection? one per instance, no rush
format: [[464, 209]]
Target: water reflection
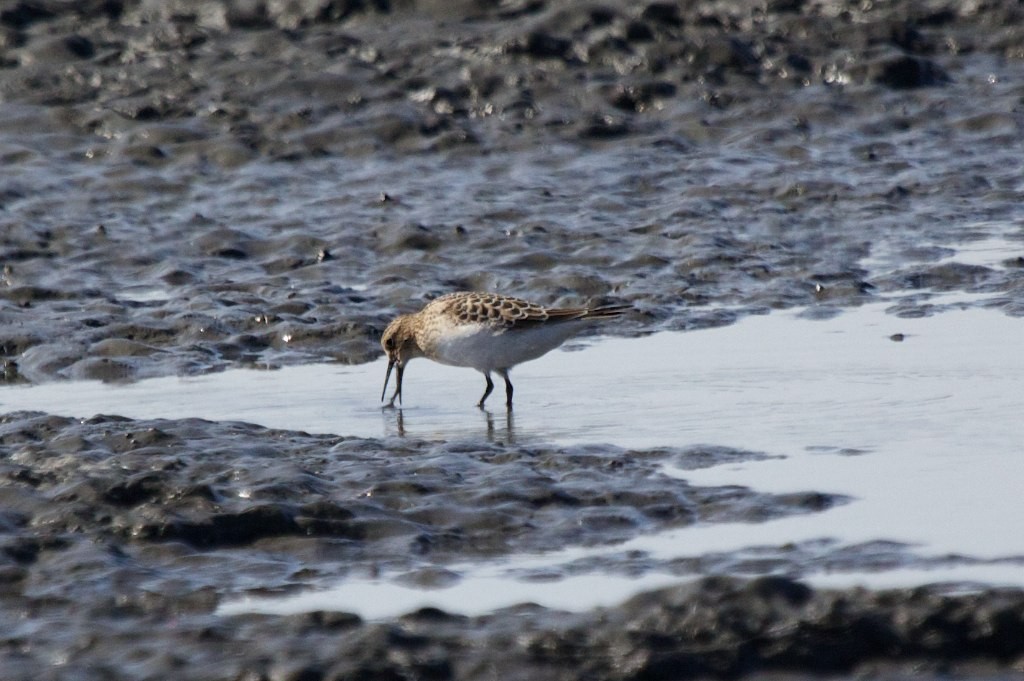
[[498, 434], [498, 428], [393, 419]]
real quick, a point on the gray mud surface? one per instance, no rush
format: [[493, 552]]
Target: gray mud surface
[[191, 186], [120, 537]]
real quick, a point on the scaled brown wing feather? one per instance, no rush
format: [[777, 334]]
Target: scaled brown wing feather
[[566, 314], [517, 313], [495, 309]]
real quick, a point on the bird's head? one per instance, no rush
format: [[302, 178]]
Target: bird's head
[[400, 346]]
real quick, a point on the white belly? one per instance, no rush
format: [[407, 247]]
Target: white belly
[[486, 349]]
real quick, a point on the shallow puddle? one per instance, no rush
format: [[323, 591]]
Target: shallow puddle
[[918, 420]]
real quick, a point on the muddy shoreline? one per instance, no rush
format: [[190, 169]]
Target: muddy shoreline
[[123, 537], [253, 184], [191, 187]]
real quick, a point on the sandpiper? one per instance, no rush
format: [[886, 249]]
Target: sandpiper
[[485, 331]]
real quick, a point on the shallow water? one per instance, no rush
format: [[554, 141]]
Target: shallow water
[[922, 433]]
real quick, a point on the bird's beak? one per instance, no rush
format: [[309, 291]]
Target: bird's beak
[[392, 364], [387, 377]]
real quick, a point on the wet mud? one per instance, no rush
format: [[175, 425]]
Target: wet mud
[[126, 535], [197, 187], [189, 187]]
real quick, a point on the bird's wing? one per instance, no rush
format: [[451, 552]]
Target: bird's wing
[[492, 309], [509, 312]]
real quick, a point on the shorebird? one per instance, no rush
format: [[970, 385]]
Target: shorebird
[[485, 331]]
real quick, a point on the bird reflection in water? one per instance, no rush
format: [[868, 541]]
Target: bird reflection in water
[[499, 429], [496, 434]]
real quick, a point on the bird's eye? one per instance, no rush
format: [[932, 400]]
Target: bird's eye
[[389, 344]]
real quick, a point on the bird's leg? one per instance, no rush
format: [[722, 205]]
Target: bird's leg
[[487, 390], [508, 387]]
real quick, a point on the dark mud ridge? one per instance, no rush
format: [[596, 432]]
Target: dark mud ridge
[[119, 538], [716, 628]]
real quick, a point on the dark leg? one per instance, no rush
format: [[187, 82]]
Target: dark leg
[[487, 390], [508, 387]]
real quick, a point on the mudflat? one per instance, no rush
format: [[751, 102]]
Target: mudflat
[[192, 187]]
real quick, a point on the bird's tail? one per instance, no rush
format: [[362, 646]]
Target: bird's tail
[[603, 312], [606, 311]]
